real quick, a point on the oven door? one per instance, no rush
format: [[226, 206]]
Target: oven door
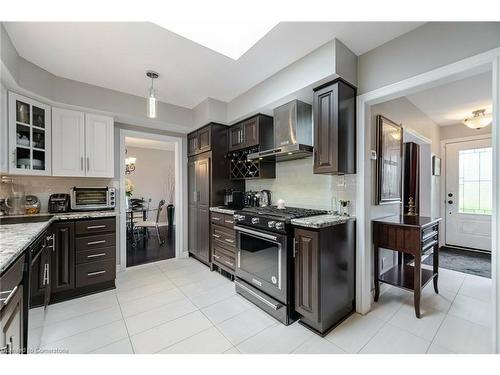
[[89, 198], [262, 261]]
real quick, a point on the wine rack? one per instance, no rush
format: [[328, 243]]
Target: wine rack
[[244, 169]]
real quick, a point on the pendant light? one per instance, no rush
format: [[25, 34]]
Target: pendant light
[[151, 97], [480, 119]]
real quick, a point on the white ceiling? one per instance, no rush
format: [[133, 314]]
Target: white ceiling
[[116, 55], [451, 103], [149, 143]]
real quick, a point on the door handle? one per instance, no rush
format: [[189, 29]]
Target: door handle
[[88, 163], [96, 242]]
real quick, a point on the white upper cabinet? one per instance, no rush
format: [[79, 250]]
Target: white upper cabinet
[[99, 140], [29, 136], [68, 142], [4, 124]]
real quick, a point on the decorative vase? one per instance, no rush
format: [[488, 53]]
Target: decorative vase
[[170, 214]]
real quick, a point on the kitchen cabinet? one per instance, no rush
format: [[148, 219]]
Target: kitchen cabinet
[[324, 275], [40, 281], [208, 177], [29, 136], [63, 258], [223, 242], [254, 131], [12, 308], [68, 142], [4, 124], [334, 118], [99, 142]]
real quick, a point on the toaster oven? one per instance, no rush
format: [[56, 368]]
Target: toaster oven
[[92, 198]]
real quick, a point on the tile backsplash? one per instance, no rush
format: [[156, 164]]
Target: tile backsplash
[[299, 187], [43, 187]]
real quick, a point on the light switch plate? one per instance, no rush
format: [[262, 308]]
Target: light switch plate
[[373, 155]]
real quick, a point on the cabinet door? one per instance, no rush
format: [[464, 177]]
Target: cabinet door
[[325, 130], [29, 136], [193, 144], [37, 277], [99, 143], [203, 230], [11, 324], [251, 132], [192, 208], [236, 137], [4, 139], [203, 182], [307, 274], [68, 143], [204, 139], [63, 257]]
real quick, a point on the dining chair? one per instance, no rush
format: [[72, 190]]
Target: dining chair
[[154, 224]]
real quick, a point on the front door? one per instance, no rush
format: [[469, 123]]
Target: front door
[[469, 194]]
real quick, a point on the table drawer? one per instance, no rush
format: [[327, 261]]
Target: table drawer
[[217, 218], [95, 272], [229, 221], [94, 242], [103, 253], [95, 226]]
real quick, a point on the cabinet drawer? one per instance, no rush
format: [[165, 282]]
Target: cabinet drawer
[[94, 242], [223, 251], [229, 221], [103, 253], [217, 218], [223, 260], [95, 272], [95, 226], [11, 278], [223, 235]]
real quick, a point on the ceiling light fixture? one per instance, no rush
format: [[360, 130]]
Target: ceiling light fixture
[[152, 98], [230, 38], [480, 119]]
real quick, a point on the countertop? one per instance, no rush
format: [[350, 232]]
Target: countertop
[[223, 210], [321, 221], [15, 238], [408, 221]]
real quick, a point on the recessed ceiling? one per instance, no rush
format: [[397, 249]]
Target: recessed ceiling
[[116, 55], [451, 103], [149, 143]]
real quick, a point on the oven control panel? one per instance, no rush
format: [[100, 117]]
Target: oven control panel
[[261, 222]]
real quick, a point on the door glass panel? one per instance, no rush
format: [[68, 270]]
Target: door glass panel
[[475, 181], [39, 160], [22, 112], [23, 158], [38, 117], [260, 257], [22, 135], [39, 138]]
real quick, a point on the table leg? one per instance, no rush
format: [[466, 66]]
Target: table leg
[[417, 284], [435, 267], [376, 272]]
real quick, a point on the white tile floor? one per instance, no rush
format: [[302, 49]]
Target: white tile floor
[[179, 306]]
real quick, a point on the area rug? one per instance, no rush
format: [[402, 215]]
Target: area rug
[[465, 261]]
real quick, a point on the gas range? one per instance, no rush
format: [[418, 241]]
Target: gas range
[[272, 218]]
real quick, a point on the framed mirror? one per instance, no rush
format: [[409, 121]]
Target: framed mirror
[[389, 162]]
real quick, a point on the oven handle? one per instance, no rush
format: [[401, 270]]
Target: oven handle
[[259, 297], [256, 233]]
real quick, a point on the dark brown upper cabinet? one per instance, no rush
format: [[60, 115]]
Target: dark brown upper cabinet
[[200, 140], [334, 117], [254, 131]]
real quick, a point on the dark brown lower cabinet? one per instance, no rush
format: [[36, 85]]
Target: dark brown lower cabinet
[[325, 275], [63, 257]]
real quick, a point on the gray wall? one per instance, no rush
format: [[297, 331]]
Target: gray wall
[[460, 131], [430, 46]]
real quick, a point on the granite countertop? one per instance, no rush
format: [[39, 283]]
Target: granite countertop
[[321, 221], [223, 210], [15, 238]]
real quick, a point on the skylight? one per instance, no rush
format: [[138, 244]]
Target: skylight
[[229, 38]]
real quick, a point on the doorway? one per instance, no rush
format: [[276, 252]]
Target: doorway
[[468, 192], [146, 236]]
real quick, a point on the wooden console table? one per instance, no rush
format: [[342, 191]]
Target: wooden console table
[[414, 235]]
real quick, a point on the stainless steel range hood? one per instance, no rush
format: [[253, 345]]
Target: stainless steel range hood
[[292, 133]]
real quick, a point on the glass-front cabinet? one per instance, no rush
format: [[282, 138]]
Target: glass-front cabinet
[[29, 136]]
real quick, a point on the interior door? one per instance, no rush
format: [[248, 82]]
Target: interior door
[[469, 194]]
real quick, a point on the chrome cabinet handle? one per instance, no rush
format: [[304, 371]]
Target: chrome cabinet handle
[[216, 218], [96, 273], [53, 239], [81, 163], [88, 163], [216, 235], [96, 242], [228, 240], [230, 221], [229, 263], [216, 256], [11, 292], [259, 297], [96, 226], [96, 255]]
